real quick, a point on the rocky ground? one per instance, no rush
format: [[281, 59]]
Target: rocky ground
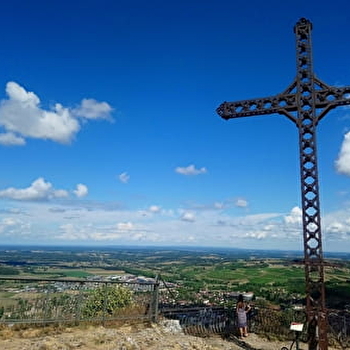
[[164, 336]]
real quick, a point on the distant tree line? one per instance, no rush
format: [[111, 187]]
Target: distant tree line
[[5, 270]]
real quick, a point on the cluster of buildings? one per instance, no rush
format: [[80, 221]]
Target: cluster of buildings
[[204, 297]]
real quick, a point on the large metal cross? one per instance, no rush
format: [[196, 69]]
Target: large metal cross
[[305, 102]]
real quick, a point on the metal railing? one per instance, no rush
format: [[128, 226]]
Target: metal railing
[[271, 323]]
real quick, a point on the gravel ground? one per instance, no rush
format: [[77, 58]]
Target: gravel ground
[[166, 336]]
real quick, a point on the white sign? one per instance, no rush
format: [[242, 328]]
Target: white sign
[[295, 326]]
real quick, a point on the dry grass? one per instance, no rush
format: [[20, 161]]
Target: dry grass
[[37, 331], [23, 331]]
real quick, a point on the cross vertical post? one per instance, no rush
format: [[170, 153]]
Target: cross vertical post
[[305, 102], [306, 122]]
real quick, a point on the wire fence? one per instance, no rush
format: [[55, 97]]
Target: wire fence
[[66, 301]]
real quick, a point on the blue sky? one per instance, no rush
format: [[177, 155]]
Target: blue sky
[[109, 135]]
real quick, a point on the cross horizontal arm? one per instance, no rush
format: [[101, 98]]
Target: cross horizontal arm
[[281, 104], [331, 97], [325, 98]]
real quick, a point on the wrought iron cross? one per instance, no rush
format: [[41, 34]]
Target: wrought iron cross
[[305, 102]]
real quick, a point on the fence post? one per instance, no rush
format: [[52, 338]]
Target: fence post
[[104, 311], [46, 304], [78, 307], [155, 301], [230, 328]]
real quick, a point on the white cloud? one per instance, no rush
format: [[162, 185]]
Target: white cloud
[[294, 217], [40, 190], [92, 222], [337, 225], [60, 193], [92, 109], [257, 234], [8, 224], [99, 232], [188, 216], [242, 203], [256, 219], [219, 205], [10, 139], [343, 162], [69, 231], [21, 116], [190, 170], [154, 209], [81, 191], [124, 177]]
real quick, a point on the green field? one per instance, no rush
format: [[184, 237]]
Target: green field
[[276, 276]]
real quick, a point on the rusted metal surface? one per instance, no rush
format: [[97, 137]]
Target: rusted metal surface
[[305, 102]]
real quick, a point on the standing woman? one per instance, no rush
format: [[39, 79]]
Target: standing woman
[[242, 309]]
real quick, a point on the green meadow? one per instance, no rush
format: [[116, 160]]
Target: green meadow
[[277, 277]]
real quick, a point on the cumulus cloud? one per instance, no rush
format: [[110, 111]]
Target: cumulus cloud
[[39, 190], [10, 139], [81, 191], [21, 116], [295, 216], [124, 177], [92, 109], [241, 203], [190, 170], [264, 231], [342, 164]]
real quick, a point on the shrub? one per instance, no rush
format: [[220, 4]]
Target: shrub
[[106, 300]]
